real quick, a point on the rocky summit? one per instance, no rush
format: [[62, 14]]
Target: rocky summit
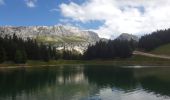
[[128, 37], [58, 36]]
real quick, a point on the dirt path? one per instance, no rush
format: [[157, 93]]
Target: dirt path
[[150, 55]]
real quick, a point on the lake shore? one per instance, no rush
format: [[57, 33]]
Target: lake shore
[[133, 61]]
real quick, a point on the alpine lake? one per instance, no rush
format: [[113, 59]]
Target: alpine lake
[[85, 82]]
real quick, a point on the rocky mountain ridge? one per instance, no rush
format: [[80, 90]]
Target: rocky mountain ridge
[[128, 37], [59, 36]]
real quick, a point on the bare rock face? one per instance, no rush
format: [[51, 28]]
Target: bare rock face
[[59, 36], [128, 37]]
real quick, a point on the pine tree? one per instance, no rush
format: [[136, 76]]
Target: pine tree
[[109, 50], [24, 56], [2, 54], [18, 57]]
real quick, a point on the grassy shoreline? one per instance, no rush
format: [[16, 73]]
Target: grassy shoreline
[[133, 61]]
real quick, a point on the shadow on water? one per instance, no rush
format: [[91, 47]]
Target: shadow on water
[[155, 80], [106, 76], [15, 81], [78, 82]]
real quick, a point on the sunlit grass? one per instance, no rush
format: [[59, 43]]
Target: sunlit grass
[[162, 50]]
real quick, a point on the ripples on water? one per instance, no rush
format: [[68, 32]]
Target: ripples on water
[[85, 83]]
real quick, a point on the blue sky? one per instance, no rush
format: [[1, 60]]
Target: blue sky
[[43, 13], [17, 13], [109, 18]]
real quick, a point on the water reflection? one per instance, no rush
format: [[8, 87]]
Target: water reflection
[[120, 78], [85, 83]]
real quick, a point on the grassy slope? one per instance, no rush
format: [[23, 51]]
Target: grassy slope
[[162, 50], [56, 39]]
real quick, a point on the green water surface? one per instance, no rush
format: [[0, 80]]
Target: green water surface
[[82, 82]]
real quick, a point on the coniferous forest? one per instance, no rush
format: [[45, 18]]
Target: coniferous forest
[[110, 49], [18, 50], [155, 39]]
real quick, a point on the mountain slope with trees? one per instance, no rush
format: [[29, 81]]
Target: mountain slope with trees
[[110, 49], [155, 39]]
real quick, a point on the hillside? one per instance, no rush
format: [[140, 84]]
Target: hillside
[[162, 50], [154, 40]]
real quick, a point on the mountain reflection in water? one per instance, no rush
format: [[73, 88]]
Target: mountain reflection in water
[[80, 82]]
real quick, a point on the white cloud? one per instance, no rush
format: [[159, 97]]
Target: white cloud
[[2, 2], [31, 3], [120, 16]]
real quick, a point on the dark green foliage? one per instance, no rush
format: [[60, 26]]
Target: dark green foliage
[[19, 50], [57, 55], [2, 54], [19, 57], [13, 48], [109, 50], [154, 40], [24, 56], [45, 52], [133, 44], [71, 55]]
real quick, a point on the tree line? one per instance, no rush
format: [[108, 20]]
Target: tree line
[[110, 49], [155, 39], [19, 50]]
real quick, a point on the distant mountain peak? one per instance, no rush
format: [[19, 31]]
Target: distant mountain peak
[[126, 36]]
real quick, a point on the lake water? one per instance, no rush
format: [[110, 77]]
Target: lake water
[[80, 82]]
